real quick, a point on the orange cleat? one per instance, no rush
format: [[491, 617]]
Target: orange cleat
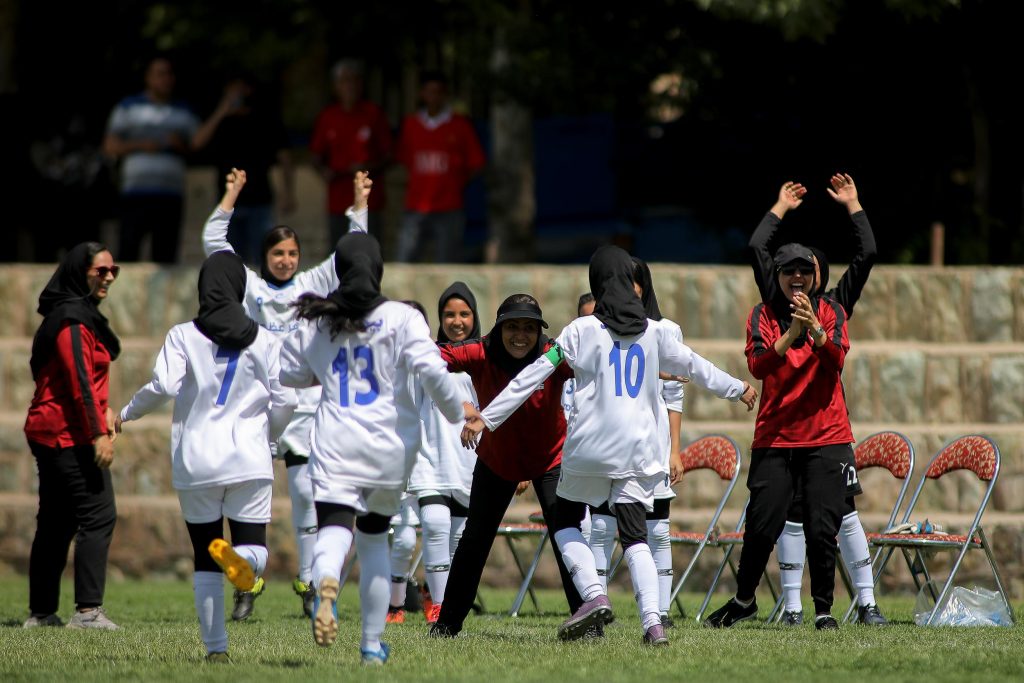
[[396, 615], [238, 571], [434, 613]]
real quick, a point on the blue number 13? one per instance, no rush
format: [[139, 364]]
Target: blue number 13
[[229, 374], [340, 366], [634, 356]]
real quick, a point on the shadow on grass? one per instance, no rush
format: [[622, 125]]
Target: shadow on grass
[[10, 623]]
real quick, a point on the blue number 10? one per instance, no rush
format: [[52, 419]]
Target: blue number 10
[[340, 366], [634, 356], [229, 374]]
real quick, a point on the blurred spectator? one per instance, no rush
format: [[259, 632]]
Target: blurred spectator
[[350, 135], [248, 133], [442, 154], [153, 134]]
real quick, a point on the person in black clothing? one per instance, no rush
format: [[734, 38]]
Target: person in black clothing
[[791, 548]]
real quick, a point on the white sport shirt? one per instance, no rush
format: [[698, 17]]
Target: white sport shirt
[[443, 464], [613, 430], [228, 405], [367, 425], [270, 306]]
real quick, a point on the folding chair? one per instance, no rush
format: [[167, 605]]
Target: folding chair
[[513, 531], [980, 455], [721, 455]]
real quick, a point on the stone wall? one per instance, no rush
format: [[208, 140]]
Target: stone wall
[[936, 353]]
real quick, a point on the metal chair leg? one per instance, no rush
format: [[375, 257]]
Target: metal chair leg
[[714, 582], [527, 574], [995, 572]]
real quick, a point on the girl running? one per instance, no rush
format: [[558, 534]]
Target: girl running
[[612, 450], [222, 370], [268, 298], [363, 350]]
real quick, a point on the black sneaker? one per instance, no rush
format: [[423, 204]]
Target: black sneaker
[[731, 613], [441, 630], [792, 618], [595, 631], [666, 621], [244, 601], [871, 616], [826, 622]]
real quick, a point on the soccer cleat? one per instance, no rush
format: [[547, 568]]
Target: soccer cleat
[[244, 601], [238, 571], [440, 630], [325, 613], [377, 658], [93, 618], [666, 621], [826, 622], [731, 613], [218, 658], [596, 611], [655, 635], [792, 618], [595, 631], [37, 620], [396, 615], [434, 613], [871, 616], [428, 602], [307, 593]]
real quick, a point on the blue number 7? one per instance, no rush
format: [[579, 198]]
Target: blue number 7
[[229, 375]]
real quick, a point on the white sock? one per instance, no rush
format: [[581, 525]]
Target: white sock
[[579, 560], [853, 544], [661, 548], [645, 583], [255, 555], [332, 546], [436, 521], [403, 544], [374, 569], [458, 526], [602, 545], [585, 524], [300, 489], [208, 589], [791, 551]]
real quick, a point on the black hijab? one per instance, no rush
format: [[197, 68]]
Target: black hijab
[[822, 270], [458, 290], [360, 268], [67, 297], [780, 305], [222, 318], [611, 281], [514, 308], [642, 276]]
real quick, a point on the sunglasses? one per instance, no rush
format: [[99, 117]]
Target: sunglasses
[[793, 270], [103, 271]]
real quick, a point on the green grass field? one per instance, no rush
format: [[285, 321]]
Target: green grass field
[[160, 641]]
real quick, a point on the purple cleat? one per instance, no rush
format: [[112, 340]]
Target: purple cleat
[[655, 635], [596, 612]]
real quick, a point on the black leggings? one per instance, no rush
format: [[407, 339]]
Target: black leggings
[[631, 519], [242, 533], [488, 501]]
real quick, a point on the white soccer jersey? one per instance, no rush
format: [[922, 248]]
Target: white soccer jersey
[[228, 405], [367, 426], [270, 306], [443, 464], [613, 425]]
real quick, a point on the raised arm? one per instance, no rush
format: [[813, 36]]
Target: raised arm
[[322, 279], [790, 197], [848, 291], [215, 232], [168, 373]]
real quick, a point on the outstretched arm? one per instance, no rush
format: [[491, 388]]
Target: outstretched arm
[[850, 286], [168, 373]]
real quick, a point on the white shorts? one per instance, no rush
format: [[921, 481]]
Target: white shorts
[[408, 515], [458, 495], [596, 490], [246, 501], [363, 499], [663, 491]]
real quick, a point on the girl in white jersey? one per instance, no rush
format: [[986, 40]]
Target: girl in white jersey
[[269, 295], [222, 371], [612, 452], [363, 350]]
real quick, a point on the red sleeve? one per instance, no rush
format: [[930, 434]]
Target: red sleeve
[[74, 350], [462, 357], [382, 136], [762, 360], [318, 144], [833, 318], [475, 158]]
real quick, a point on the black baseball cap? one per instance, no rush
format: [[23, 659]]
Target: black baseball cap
[[509, 311], [793, 254]]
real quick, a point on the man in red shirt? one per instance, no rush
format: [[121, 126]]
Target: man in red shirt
[[441, 153], [350, 135]]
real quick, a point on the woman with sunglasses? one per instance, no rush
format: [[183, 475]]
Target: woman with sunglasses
[[268, 300], [853, 543], [70, 431]]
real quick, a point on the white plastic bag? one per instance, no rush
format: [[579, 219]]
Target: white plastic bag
[[962, 607]]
